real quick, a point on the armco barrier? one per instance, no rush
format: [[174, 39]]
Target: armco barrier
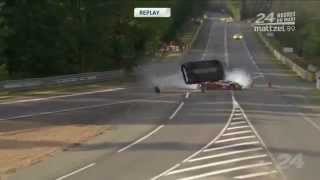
[[301, 72], [60, 80]]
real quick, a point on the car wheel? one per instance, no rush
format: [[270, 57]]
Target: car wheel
[[157, 89]]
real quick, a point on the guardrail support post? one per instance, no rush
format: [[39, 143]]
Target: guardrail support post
[[318, 79]]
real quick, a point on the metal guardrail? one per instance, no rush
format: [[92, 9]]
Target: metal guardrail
[[71, 79], [300, 71]]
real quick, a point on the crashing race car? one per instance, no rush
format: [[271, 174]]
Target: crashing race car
[[206, 75], [209, 75], [197, 72], [237, 36], [220, 85]]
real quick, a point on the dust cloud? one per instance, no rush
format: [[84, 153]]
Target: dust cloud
[[172, 81], [239, 76]]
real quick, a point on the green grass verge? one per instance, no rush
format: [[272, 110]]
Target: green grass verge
[[295, 58], [234, 7], [3, 72]]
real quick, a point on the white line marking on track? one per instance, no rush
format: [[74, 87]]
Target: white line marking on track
[[237, 118], [310, 121], [66, 110], [152, 132], [165, 172], [262, 143], [204, 54], [176, 111], [211, 142], [251, 58], [235, 139], [141, 139], [237, 133], [252, 175], [226, 171], [238, 122], [232, 146], [236, 107], [84, 108], [217, 163], [199, 151], [187, 95], [238, 127], [76, 171], [226, 154], [61, 96]]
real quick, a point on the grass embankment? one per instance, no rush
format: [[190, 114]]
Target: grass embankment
[[234, 8], [303, 62], [3, 73]]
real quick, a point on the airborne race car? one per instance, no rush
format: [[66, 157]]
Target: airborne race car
[[209, 75]]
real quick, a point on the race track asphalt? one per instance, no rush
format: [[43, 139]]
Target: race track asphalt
[[258, 133]]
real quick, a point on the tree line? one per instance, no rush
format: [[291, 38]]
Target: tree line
[[41, 38], [305, 40]]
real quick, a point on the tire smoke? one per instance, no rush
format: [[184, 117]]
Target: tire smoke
[[172, 81], [239, 76]]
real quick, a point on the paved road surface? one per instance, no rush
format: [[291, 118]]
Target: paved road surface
[[259, 133]]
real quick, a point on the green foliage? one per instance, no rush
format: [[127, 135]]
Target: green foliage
[[312, 42], [74, 36], [306, 39], [234, 7], [3, 72]]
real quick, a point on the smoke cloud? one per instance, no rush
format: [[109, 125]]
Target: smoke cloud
[[172, 81], [239, 76]]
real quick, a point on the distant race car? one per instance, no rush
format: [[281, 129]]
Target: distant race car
[[237, 36], [220, 85]]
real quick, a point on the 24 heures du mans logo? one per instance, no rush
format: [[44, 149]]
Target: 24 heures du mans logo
[[275, 22]]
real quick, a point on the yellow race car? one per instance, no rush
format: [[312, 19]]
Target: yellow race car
[[237, 36]]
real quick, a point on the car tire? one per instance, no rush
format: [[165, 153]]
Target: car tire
[[157, 89]]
